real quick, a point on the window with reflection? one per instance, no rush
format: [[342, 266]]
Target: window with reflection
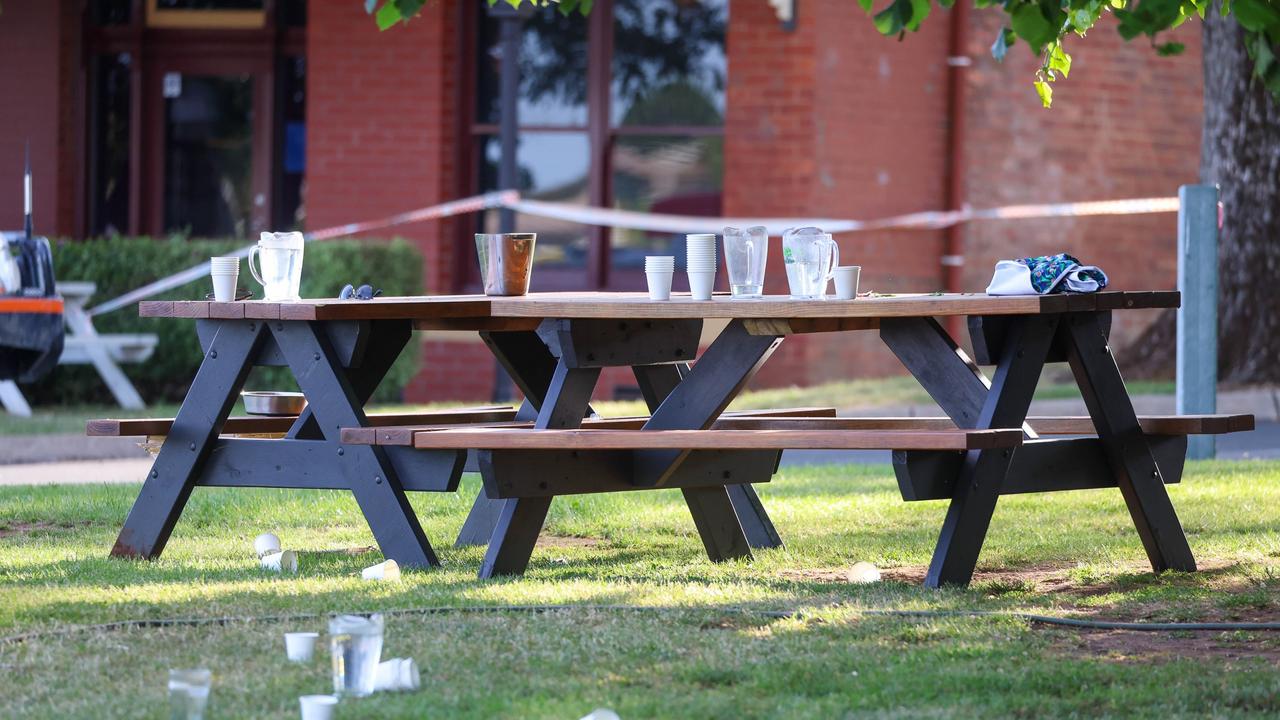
[[652, 103]]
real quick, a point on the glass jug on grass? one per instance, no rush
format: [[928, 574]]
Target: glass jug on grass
[[279, 256], [810, 257], [745, 255]]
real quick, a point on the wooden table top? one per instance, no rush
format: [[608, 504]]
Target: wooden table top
[[620, 305]]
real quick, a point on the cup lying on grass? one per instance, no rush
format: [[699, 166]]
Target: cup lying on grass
[[265, 544], [388, 570], [282, 562], [397, 674]]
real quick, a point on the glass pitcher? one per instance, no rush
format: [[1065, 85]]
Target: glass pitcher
[[745, 253], [811, 257], [280, 258], [355, 643]]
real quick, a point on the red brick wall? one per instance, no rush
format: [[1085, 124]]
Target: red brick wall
[[39, 51], [833, 120], [380, 117], [830, 119], [1125, 124]]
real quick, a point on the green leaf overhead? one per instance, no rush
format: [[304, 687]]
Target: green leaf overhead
[[1042, 24]]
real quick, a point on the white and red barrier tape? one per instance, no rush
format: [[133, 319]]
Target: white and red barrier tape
[[656, 222]]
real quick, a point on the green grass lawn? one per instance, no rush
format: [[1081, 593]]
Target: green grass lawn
[[702, 649]]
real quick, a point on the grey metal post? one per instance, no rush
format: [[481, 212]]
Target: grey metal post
[[509, 106], [510, 22], [1197, 383]]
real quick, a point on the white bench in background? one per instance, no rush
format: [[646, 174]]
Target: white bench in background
[[84, 346]]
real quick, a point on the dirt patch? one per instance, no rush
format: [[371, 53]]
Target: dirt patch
[[1127, 646], [351, 551], [568, 541], [18, 529]]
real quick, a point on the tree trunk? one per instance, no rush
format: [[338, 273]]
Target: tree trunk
[[1240, 152]]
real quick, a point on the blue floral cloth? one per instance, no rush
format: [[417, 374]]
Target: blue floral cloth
[[1045, 274]]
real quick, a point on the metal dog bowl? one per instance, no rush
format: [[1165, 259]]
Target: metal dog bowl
[[267, 402]]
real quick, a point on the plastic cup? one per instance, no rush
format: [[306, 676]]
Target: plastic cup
[[224, 284], [398, 674], [388, 570], [863, 573], [701, 284], [317, 707], [189, 693], [281, 562], [847, 281], [300, 646], [265, 544], [659, 284]]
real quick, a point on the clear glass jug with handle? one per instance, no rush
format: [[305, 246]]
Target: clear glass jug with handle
[[279, 257], [810, 257], [355, 644], [745, 254]]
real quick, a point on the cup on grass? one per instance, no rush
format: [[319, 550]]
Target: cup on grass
[[300, 646], [265, 544], [398, 674], [388, 570], [189, 693], [281, 562], [846, 277], [317, 707]]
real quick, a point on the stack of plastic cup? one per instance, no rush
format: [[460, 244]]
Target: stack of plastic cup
[[658, 270], [225, 272], [700, 263]]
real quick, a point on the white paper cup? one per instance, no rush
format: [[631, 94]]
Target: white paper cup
[[281, 562], [701, 283], [847, 281], [317, 707], [265, 544], [300, 646], [659, 284], [863, 573], [398, 674], [388, 570], [224, 285]]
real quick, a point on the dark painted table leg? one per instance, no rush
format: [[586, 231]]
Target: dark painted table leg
[[715, 380], [164, 494], [1125, 445], [656, 382], [520, 520], [367, 469], [958, 386], [531, 367], [386, 341]]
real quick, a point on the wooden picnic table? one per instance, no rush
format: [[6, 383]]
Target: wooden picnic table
[[554, 346]]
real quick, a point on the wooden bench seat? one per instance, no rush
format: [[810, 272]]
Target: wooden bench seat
[[823, 419], [403, 435], [606, 439], [258, 425], [1068, 425]]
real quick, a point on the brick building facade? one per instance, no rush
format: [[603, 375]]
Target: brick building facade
[[823, 118]]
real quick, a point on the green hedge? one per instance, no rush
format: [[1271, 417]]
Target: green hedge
[[119, 265]]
